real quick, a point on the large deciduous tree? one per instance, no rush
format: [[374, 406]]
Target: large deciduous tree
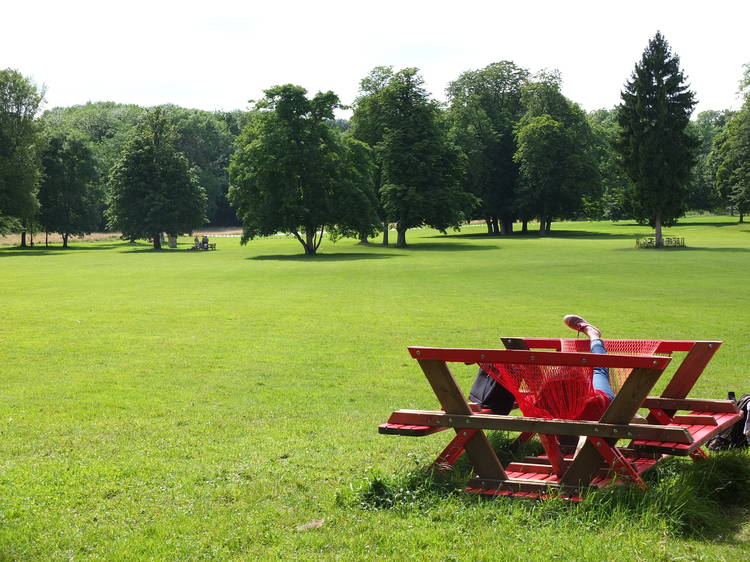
[[614, 204], [657, 151], [20, 170], [485, 105], [421, 168], [68, 197], [733, 159], [555, 154], [152, 187], [368, 125], [293, 172]]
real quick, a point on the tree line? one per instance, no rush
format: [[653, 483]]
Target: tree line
[[507, 148]]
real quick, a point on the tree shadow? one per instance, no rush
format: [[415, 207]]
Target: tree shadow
[[350, 256], [535, 236], [53, 250], [728, 250], [444, 247]]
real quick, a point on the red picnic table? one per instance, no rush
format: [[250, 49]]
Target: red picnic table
[[619, 447]]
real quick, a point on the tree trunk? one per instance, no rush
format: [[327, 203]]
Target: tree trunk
[[657, 231], [542, 226], [157, 241], [310, 241], [46, 239], [65, 240], [363, 238], [506, 226], [488, 221], [525, 226], [23, 239], [386, 227], [401, 237], [495, 227], [548, 227], [742, 216]]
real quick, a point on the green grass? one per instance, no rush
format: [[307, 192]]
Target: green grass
[[184, 405]]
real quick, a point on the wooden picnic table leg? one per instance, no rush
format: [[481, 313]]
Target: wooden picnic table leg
[[478, 448], [588, 461], [687, 374]]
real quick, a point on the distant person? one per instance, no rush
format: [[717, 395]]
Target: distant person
[[204, 242], [196, 243]]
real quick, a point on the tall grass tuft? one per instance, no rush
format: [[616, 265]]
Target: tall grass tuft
[[684, 498]]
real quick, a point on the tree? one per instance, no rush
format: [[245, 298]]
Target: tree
[[368, 125], [733, 161], [69, 199], [106, 127], [152, 187], [702, 194], [657, 150], [485, 105], [20, 169], [421, 168], [293, 172], [614, 204], [557, 164], [207, 142]]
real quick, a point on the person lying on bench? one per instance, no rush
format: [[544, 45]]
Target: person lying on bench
[[490, 394]]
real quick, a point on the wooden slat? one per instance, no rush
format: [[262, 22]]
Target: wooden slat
[[578, 359], [688, 372], [478, 448], [513, 485], [695, 420], [620, 411], [673, 404], [541, 425]]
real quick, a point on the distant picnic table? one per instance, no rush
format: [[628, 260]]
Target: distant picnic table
[[669, 242]]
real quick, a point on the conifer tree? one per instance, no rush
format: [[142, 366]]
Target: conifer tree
[[657, 151]]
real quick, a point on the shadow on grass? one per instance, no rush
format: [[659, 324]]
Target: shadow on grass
[[535, 236], [54, 250], [728, 250], [443, 247], [350, 256]]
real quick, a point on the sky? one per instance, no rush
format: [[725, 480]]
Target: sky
[[219, 54]]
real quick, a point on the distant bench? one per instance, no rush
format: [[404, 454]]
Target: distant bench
[[669, 242], [211, 246]]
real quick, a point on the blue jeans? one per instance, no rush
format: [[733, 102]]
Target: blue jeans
[[601, 374]]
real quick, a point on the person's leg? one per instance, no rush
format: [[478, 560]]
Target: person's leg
[[601, 374]]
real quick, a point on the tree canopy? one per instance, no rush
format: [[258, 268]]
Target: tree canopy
[[70, 202], [293, 172], [555, 154], [485, 105], [20, 170], [152, 187], [421, 168], [657, 151]]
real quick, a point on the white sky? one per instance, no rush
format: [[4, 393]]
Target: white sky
[[218, 54]]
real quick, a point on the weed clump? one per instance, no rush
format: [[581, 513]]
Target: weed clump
[[683, 498]]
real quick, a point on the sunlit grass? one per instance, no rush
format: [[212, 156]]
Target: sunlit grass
[[204, 404]]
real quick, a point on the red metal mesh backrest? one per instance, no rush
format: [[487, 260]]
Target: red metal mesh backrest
[[545, 391], [559, 391], [620, 347]]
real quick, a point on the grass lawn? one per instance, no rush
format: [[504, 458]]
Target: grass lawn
[[183, 405]]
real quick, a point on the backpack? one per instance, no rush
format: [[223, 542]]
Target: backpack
[[736, 436]]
